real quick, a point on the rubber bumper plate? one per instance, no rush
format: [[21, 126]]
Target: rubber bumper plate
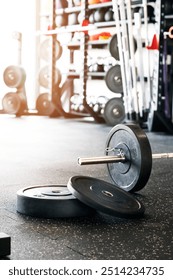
[[131, 141], [52, 201], [105, 197]]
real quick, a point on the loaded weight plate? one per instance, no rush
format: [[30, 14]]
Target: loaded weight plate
[[114, 112], [11, 103], [113, 79], [45, 77], [46, 50], [130, 140], [105, 197], [14, 76], [50, 202], [44, 105], [113, 47]]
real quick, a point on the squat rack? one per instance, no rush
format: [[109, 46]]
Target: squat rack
[[146, 97]]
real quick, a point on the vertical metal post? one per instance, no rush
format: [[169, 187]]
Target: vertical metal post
[[53, 57]]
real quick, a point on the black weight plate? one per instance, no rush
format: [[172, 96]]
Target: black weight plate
[[113, 47], [105, 197], [44, 105], [46, 50], [45, 77], [133, 174], [114, 112], [113, 79], [51, 202], [14, 76], [11, 103]]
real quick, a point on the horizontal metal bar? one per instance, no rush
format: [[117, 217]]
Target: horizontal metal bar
[[162, 155], [100, 160], [118, 158]]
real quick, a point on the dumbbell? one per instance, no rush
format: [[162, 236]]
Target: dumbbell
[[14, 76], [109, 15], [91, 17], [128, 157], [99, 15], [44, 76], [44, 105], [46, 48], [73, 19], [61, 20]]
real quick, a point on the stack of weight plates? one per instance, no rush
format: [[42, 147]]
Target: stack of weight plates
[[82, 196]]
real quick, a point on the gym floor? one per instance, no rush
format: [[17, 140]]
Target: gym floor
[[40, 150]]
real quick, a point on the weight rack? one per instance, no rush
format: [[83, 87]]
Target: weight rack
[[158, 119], [146, 106], [56, 98]]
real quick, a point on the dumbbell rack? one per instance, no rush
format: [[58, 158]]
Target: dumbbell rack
[[154, 116]]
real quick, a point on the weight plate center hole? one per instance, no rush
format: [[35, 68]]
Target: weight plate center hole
[[55, 192], [117, 79], [116, 112]]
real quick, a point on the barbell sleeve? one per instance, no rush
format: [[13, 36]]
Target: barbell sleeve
[[100, 160], [114, 159]]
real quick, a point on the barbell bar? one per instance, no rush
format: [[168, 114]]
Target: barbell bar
[[118, 158], [128, 157]]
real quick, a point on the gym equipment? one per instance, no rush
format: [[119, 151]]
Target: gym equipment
[[44, 77], [5, 245], [91, 17], [61, 4], [168, 6], [113, 47], [50, 202], [99, 15], [114, 112], [99, 104], [44, 105], [109, 15], [128, 157], [11, 103], [61, 20], [96, 67], [166, 80], [73, 19], [105, 197], [14, 76], [142, 97], [45, 49], [113, 79]]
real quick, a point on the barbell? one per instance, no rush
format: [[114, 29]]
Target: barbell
[[128, 157]]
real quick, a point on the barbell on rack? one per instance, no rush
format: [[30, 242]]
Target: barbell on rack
[[128, 157]]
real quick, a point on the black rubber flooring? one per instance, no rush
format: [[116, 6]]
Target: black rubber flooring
[[40, 150]]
